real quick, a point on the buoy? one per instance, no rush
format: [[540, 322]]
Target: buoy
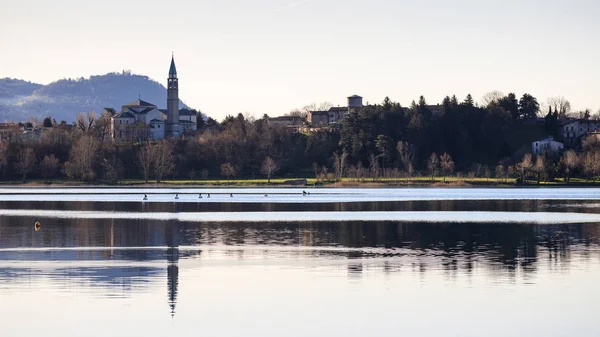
[[37, 226]]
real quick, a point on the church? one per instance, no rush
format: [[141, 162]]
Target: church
[[140, 120]]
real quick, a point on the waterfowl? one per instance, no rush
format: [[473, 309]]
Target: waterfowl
[[266, 195], [177, 196], [200, 196], [208, 195], [231, 195], [303, 192], [145, 197]]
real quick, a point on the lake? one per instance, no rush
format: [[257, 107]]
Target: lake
[[277, 262]]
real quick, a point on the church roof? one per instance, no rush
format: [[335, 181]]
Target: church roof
[[172, 70], [124, 114], [156, 120], [186, 112], [138, 103]]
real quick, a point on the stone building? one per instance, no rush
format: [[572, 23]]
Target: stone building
[[141, 120]]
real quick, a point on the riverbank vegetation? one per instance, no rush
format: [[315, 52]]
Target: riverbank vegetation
[[460, 142]]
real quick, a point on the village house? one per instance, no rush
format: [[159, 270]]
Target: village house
[[573, 129], [334, 114], [291, 123], [318, 118], [546, 145]]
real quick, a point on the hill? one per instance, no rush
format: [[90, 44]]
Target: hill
[[63, 99]]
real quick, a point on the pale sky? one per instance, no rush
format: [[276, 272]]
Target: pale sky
[[271, 56]]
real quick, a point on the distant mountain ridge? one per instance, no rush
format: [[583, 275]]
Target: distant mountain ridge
[[64, 99]]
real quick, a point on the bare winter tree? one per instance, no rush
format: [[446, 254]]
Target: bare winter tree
[[500, 172], [102, 127], [560, 105], [145, 159], [374, 168], [539, 167], [227, 170], [491, 98], [447, 164], [524, 166], [163, 159], [339, 163], [25, 161], [570, 161], [323, 106], [3, 154], [433, 163], [406, 152], [35, 121], [269, 167], [591, 164], [82, 158], [85, 123], [49, 166]]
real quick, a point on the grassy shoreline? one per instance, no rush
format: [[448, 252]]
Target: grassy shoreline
[[455, 182]]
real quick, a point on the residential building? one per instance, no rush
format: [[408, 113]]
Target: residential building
[[573, 129], [337, 114], [548, 144], [291, 123], [318, 118]]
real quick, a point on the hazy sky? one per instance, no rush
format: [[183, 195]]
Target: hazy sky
[[271, 56]]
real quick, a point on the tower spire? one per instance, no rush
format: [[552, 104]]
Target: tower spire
[[172, 69]]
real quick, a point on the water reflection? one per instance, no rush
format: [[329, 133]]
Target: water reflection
[[580, 206], [120, 257]]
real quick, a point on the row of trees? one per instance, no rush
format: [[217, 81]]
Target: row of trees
[[381, 140]]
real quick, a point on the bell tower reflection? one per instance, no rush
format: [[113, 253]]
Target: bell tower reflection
[[172, 242]]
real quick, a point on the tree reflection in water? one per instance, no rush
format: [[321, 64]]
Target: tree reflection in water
[[507, 249]]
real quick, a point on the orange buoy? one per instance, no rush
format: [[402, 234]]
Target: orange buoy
[[37, 226]]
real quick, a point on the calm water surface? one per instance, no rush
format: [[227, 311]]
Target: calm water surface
[[106, 264]]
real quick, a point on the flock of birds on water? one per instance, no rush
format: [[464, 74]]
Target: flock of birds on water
[[304, 193]]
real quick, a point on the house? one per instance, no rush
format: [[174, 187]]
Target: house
[[573, 129], [290, 123], [9, 131], [337, 114], [318, 118], [548, 144]]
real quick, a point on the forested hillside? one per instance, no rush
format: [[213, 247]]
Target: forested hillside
[[63, 99]]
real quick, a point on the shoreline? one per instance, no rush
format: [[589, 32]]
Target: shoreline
[[310, 183]]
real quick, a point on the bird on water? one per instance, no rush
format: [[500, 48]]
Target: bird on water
[[200, 196], [208, 195], [177, 196], [145, 197], [231, 195]]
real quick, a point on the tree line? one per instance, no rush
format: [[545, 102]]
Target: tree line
[[377, 141]]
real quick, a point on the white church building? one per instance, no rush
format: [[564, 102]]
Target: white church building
[[140, 120]]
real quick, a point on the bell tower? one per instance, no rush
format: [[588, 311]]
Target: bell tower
[[172, 124]]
